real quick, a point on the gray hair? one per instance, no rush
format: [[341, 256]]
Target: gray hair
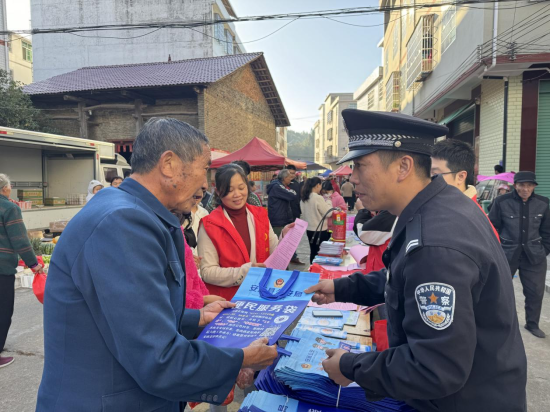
[[4, 181], [159, 135], [282, 174]]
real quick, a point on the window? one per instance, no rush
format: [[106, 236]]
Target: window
[[395, 39], [393, 93], [352, 105], [329, 117], [329, 134], [380, 96], [370, 100], [448, 28], [329, 151], [317, 143], [110, 173], [229, 42], [404, 19], [219, 33], [420, 50], [387, 65], [27, 51]]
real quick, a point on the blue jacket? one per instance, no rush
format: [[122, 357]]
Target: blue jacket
[[279, 204], [116, 334]]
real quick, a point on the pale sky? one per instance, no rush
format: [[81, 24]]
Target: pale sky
[[308, 59]]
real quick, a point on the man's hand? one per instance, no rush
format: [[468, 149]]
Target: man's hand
[[287, 228], [331, 365], [258, 355], [209, 312], [37, 269], [324, 292], [208, 299]]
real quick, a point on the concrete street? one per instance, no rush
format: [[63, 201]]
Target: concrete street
[[19, 381]]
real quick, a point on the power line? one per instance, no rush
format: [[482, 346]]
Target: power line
[[305, 15]]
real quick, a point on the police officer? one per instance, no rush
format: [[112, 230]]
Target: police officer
[[452, 324], [522, 219]]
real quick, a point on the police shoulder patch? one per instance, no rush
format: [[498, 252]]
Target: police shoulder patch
[[436, 303]]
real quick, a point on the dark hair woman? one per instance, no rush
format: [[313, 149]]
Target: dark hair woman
[[235, 236], [314, 207]]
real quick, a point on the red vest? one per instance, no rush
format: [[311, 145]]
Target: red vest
[[374, 258], [230, 246], [474, 198]]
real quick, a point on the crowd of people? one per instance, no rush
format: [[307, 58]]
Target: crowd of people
[[117, 326]]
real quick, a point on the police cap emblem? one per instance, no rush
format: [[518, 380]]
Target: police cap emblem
[[436, 303]]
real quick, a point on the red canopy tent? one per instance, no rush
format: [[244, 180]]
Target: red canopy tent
[[260, 156], [344, 170]]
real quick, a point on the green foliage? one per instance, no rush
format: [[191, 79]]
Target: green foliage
[[301, 145], [17, 110]]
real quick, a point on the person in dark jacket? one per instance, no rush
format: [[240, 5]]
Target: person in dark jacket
[[279, 201], [295, 204], [453, 331], [14, 242], [522, 219]]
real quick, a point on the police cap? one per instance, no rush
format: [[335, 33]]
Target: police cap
[[370, 131]]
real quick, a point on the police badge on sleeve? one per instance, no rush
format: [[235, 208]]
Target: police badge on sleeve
[[436, 303]]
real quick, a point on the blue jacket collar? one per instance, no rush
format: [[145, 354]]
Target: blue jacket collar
[[136, 189]]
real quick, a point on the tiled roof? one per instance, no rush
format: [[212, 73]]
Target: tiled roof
[[183, 72]]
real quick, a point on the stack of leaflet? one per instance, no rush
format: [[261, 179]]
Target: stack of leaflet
[[260, 401], [301, 376], [330, 253], [325, 322], [331, 249]]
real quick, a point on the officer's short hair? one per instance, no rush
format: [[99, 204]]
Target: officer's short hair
[[458, 155], [422, 163]]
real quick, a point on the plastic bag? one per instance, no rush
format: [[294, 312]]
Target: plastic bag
[[380, 335], [39, 286]]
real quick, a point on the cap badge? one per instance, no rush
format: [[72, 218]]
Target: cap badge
[[397, 144]]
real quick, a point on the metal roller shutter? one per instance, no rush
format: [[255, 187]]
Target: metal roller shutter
[[543, 140]]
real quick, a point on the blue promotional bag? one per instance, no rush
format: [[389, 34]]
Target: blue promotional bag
[[267, 303]]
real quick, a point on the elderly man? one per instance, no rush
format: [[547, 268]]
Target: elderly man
[[522, 219], [13, 242], [279, 203], [453, 330], [116, 331]]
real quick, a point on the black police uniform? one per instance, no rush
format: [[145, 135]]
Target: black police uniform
[[452, 325], [524, 229]]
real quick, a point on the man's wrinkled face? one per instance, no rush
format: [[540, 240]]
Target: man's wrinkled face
[[287, 180], [373, 182], [525, 189], [189, 179]]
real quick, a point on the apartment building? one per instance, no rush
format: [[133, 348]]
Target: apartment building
[[370, 95], [20, 57], [56, 54], [331, 132], [482, 71]]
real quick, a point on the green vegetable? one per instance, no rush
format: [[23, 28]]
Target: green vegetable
[[36, 245], [46, 258], [47, 248]]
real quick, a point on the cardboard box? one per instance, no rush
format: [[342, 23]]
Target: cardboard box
[[36, 202], [54, 201], [29, 193], [58, 225]]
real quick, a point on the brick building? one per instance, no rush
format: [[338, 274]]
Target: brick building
[[231, 98]]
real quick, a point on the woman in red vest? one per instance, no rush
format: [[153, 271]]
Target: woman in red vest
[[235, 236]]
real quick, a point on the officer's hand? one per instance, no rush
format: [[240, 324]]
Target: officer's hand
[[331, 365], [209, 312], [324, 292], [258, 355]]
